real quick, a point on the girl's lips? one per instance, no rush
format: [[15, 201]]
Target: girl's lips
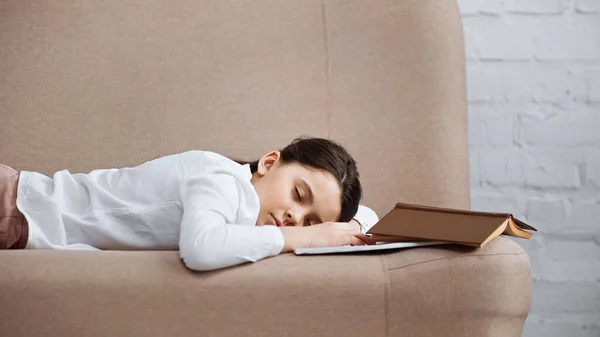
[[277, 222]]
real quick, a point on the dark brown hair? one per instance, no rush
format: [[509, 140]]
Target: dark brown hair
[[325, 154]]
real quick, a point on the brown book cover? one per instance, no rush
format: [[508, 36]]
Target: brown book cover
[[408, 222]]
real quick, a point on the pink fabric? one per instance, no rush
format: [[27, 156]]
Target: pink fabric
[[13, 226]]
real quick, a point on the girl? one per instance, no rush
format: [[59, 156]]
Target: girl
[[216, 211]]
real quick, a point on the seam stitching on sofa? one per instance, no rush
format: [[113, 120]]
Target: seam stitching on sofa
[[327, 67], [456, 257], [387, 293]]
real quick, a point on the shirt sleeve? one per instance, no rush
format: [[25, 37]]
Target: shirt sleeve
[[209, 237], [366, 217]]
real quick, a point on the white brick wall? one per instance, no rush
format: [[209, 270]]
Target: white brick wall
[[533, 75]]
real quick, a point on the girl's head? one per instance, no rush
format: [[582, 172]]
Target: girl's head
[[311, 180]]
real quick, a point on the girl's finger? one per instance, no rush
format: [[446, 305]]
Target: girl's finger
[[354, 241], [365, 239]]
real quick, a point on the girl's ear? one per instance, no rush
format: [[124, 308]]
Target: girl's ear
[[267, 162]]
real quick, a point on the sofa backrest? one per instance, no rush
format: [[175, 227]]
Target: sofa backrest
[[98, 84]]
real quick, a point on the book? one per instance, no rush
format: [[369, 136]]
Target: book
[[365, 248], [419, 223]]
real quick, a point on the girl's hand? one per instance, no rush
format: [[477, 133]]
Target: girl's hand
[[328, 234]]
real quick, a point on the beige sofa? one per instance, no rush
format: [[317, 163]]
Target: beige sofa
[[95, 84]]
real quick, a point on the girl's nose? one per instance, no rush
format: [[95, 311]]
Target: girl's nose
[[293, 218]]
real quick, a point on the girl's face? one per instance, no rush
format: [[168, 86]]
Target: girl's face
[[294, 194]]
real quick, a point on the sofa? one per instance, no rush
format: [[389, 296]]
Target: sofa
[[99, 84]]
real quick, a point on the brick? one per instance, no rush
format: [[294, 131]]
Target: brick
[[483, 109], [593, 83], [585, 216], [585, 85], [472, 7], [590, 156], [546, 214], [491, 6], [533, 246], [577, 297], [495, 130], [488, 82], [474, 169], [542, 111], [494, 204], [479, 87], [525, 37], [557, 329], [560, 155], [592, 330], [493, 38], [501, 168], [560, 132], [569, 38], [588, 319], [593, 174], [477, 134], [500, 130], [587, 6], [470, 51], [574, 271], [589, 322], [548, 174], [536, 6], [567, 251], [468, 7], [578, 87]]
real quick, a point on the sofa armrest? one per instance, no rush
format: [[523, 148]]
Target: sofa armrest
[[460, 291]]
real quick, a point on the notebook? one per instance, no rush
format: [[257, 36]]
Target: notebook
[[365, 248]]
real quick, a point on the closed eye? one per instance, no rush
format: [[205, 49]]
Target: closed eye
[[298, 195]]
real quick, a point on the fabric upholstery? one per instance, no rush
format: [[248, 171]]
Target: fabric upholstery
[[100, 84]]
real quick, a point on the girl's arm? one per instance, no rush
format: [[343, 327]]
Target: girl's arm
[[209, 238]]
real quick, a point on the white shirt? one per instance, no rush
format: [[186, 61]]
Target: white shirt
[[198, 202]]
